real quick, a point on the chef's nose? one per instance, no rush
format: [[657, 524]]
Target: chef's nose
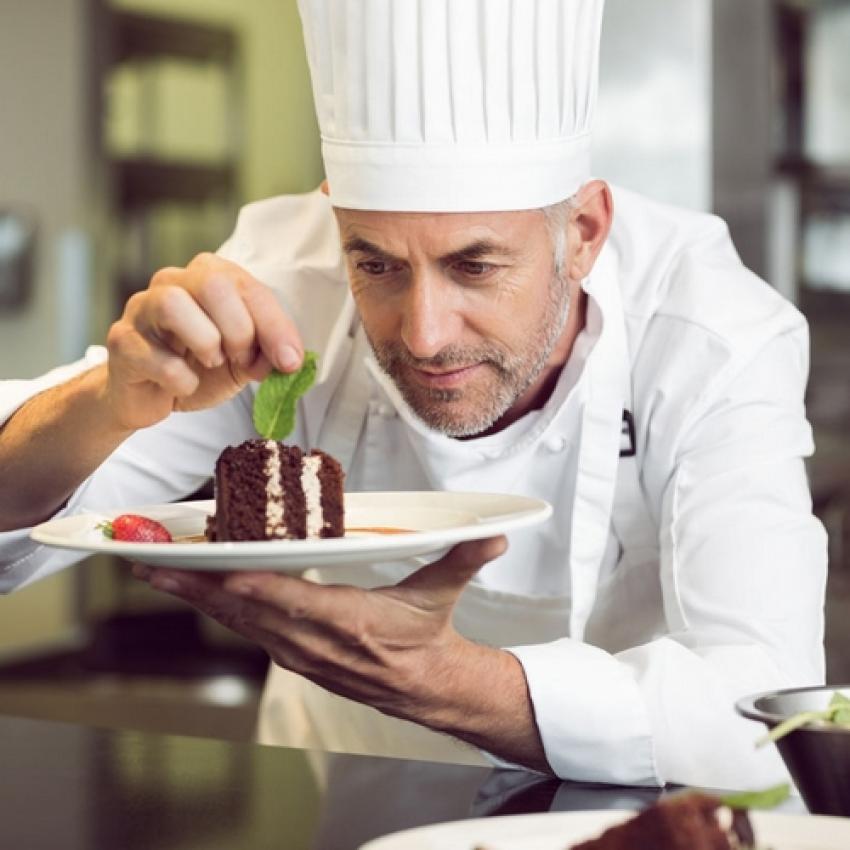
[[431, 321]]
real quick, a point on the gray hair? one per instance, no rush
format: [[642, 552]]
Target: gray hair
[[557, 217]]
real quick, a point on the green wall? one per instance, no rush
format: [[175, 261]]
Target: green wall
[[280, 137]]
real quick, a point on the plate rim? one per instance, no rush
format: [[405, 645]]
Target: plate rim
[[601, 819], [531, 510]]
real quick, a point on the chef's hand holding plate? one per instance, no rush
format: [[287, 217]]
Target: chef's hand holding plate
[[393, 648]]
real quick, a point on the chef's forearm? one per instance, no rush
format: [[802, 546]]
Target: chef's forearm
[[481, 696], [51, 445]]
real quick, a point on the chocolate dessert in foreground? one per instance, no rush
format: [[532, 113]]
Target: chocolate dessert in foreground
[[687, 821], [265, 490]]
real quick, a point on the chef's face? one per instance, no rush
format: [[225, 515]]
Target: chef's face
[[463, 310]]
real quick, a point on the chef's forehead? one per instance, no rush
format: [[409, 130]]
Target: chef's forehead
[[474, 234], [453, 106]]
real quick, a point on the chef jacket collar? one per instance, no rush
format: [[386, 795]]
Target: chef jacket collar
[[517, 438], [552, 419], [608, 390]]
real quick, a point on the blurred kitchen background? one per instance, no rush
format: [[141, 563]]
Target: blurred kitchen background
[[133, 130]]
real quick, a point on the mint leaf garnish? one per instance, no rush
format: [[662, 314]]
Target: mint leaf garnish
[[274, 404], [769, 798]]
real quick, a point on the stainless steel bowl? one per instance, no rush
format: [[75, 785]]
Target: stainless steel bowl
[[817, 757]]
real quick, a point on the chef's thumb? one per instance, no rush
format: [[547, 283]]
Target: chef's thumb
[[440, 583]]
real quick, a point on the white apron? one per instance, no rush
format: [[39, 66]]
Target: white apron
[[296, 713]]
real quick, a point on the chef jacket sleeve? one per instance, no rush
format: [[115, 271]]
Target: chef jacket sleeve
[[173, 458], [163, 463], [742, 572]]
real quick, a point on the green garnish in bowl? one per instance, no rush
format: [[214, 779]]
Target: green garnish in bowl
[[837, 713]]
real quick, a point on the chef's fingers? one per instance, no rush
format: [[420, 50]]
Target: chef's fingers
[[213, 591], [336, 627], [277, 335], [170, 315], [257, 370], [253, 327], [203, 591], [299, 645], [434, 586], [220, 287], [141, 360], [335, 648], [224, 305], [179, 582], [290, 597], [296, 598], [439, 584]]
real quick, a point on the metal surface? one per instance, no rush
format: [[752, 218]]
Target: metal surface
[[818, 757]]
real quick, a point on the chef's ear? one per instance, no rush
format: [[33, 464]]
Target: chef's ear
[[589, 225], [324, 189]]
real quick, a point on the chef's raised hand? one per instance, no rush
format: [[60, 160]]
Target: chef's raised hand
[[193, 339], [190, 341], [393, 648]]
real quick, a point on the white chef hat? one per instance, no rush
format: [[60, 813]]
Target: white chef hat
[[453, 105]]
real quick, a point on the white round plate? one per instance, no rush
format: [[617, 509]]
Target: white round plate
[[558, 831], [430, 522]]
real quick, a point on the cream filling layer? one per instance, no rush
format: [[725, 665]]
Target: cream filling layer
[[275, 525], [312, 488]]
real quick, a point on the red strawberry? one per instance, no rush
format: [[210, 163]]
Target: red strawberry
[[132, 528]]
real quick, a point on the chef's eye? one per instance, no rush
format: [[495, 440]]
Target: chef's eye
[[374, 268], [473, 268]]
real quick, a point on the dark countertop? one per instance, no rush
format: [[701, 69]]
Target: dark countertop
[[80, 788], [75, 787]]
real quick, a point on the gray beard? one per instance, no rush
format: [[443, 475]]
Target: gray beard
[[515, 373]]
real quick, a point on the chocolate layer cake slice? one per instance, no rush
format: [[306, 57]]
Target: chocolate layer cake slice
[[265, 490], [687, 821]]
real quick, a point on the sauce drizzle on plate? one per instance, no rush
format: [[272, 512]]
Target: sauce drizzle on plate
[[376, 529], [191, 538]]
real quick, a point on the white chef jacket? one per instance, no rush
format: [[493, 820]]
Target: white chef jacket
[[664, 587]]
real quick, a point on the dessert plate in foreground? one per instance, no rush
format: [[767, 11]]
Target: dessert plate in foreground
[[379, 527], [558, 831]]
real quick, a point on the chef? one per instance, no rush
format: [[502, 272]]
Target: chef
[[488, 317]]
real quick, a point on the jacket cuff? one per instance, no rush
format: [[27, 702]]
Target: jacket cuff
[[590, 714], [23, 561], [15, 393]]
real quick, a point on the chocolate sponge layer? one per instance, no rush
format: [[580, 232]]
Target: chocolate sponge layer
[[240, 492], [241, 487], [331, 477]]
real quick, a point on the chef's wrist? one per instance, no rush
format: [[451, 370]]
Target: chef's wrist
[[480, 696], [94, 392], [124, 408]]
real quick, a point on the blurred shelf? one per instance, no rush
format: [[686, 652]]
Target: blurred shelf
[[142, 37], [142, 182], [169, 205], [833, 179], [163, 644]]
